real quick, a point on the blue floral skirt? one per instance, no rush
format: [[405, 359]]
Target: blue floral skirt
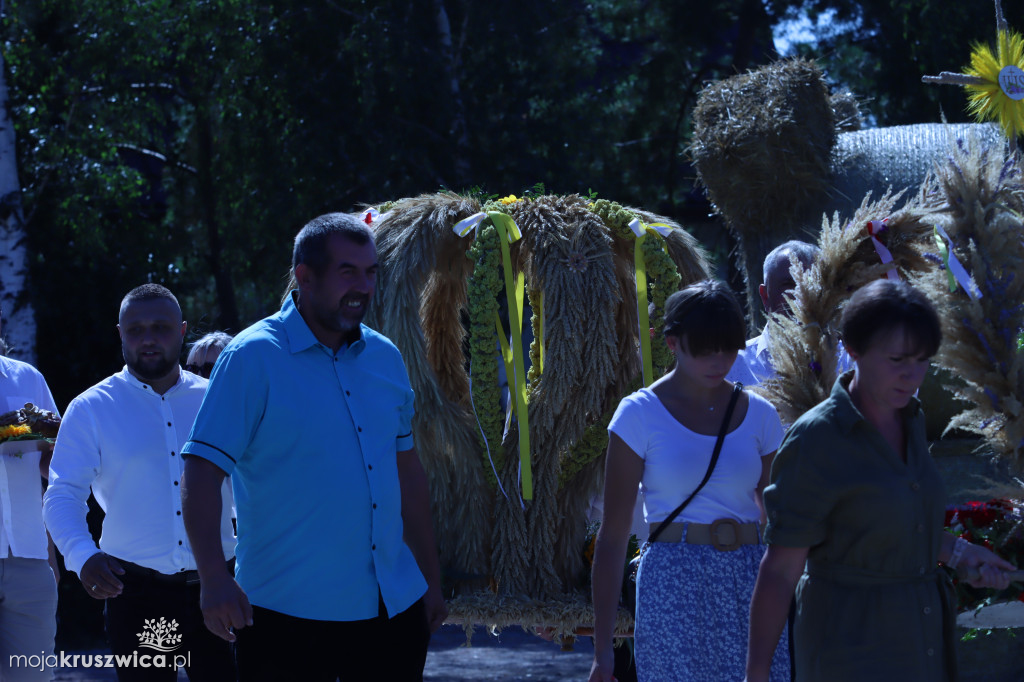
[[693, 608]]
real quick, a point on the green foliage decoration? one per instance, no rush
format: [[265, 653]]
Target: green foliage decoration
[[663, 279], [589, 447], [485, 285]]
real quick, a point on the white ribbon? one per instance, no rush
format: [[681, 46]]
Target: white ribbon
[[639, 228], [466, 225], [876, 227], [958, 270]]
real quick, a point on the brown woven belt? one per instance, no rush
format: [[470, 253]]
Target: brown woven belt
[[725, 535]]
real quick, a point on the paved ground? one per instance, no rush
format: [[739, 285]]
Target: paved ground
[[511, 656]]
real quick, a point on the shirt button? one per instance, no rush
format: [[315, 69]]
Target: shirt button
[[373, 546], [921, 570], [360, 429], [920, 528], [348, 393], [931, 652], [175, 483], [370, 467], [168, 423], [179, 513], [915, 486], [172, 453], [374, 505], [927, 610], [179, 542]]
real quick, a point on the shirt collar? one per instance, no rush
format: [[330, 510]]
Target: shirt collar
[[301, 337], [762, 342], [847, 415], [133, 380]]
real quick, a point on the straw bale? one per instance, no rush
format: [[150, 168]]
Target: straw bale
[[761, 145], [846, 112], [762, 142]]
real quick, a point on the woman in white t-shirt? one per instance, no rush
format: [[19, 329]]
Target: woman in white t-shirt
[[694, 583]]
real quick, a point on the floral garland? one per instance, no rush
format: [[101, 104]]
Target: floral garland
[[485, 285], [663, 276], [536, 299], [589, 447], [998, 525]]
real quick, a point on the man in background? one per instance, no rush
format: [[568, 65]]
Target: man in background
[[754, 363], [28, 574], [122, 438]]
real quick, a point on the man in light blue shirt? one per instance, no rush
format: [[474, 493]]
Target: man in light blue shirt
[[754, 363], [310, 413]]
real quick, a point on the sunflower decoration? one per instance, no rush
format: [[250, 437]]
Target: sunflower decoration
[[994, 80]]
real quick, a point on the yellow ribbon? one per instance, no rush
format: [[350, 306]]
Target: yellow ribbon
[[641, 230], [641, 309], [508, 232], [540, 334]]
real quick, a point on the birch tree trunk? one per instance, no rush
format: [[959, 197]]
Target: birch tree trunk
[[19, 322]]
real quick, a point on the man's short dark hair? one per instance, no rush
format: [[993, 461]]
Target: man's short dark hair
[[885, 305], [779, 256], [311, 241], [147, 292], [706, 316]]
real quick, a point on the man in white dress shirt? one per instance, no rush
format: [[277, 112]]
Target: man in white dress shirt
[[28, 587], [122, 438], [754, 363]]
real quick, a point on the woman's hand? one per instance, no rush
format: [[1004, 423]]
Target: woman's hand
[[980, 567]]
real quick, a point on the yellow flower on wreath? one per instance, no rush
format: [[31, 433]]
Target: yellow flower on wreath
[[510, 199], [988, 101], [13, 430]]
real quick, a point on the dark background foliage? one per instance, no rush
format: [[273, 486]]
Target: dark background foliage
[[186, 142]]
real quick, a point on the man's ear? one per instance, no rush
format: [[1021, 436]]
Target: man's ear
[[303, 274], [762, 289]]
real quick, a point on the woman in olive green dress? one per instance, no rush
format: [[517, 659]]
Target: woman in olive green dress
[[855, 515]]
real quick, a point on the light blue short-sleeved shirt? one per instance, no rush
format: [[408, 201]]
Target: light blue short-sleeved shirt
[[310, 438]]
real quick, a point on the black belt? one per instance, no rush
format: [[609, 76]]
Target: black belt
[[179, 578]]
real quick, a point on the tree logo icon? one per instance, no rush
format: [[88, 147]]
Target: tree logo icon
[[159, 635]]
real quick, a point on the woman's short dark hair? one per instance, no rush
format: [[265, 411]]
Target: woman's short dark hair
[[884, 306], [706, 317]]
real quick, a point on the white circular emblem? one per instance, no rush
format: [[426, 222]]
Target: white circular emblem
[[1011, 82]]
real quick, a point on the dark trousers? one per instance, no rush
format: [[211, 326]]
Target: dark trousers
[[157, 621], [279, 647]]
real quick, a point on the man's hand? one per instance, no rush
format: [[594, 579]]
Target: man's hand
[[225, 606], [436, 608], [99, 576]]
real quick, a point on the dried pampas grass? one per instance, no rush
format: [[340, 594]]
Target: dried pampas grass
[[805, 347], [983, 190]]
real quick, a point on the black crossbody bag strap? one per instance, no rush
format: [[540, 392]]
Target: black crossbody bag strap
[[737, 389]]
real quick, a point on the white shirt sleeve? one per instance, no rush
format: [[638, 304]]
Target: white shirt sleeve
[[75, 464], [627, 424]]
